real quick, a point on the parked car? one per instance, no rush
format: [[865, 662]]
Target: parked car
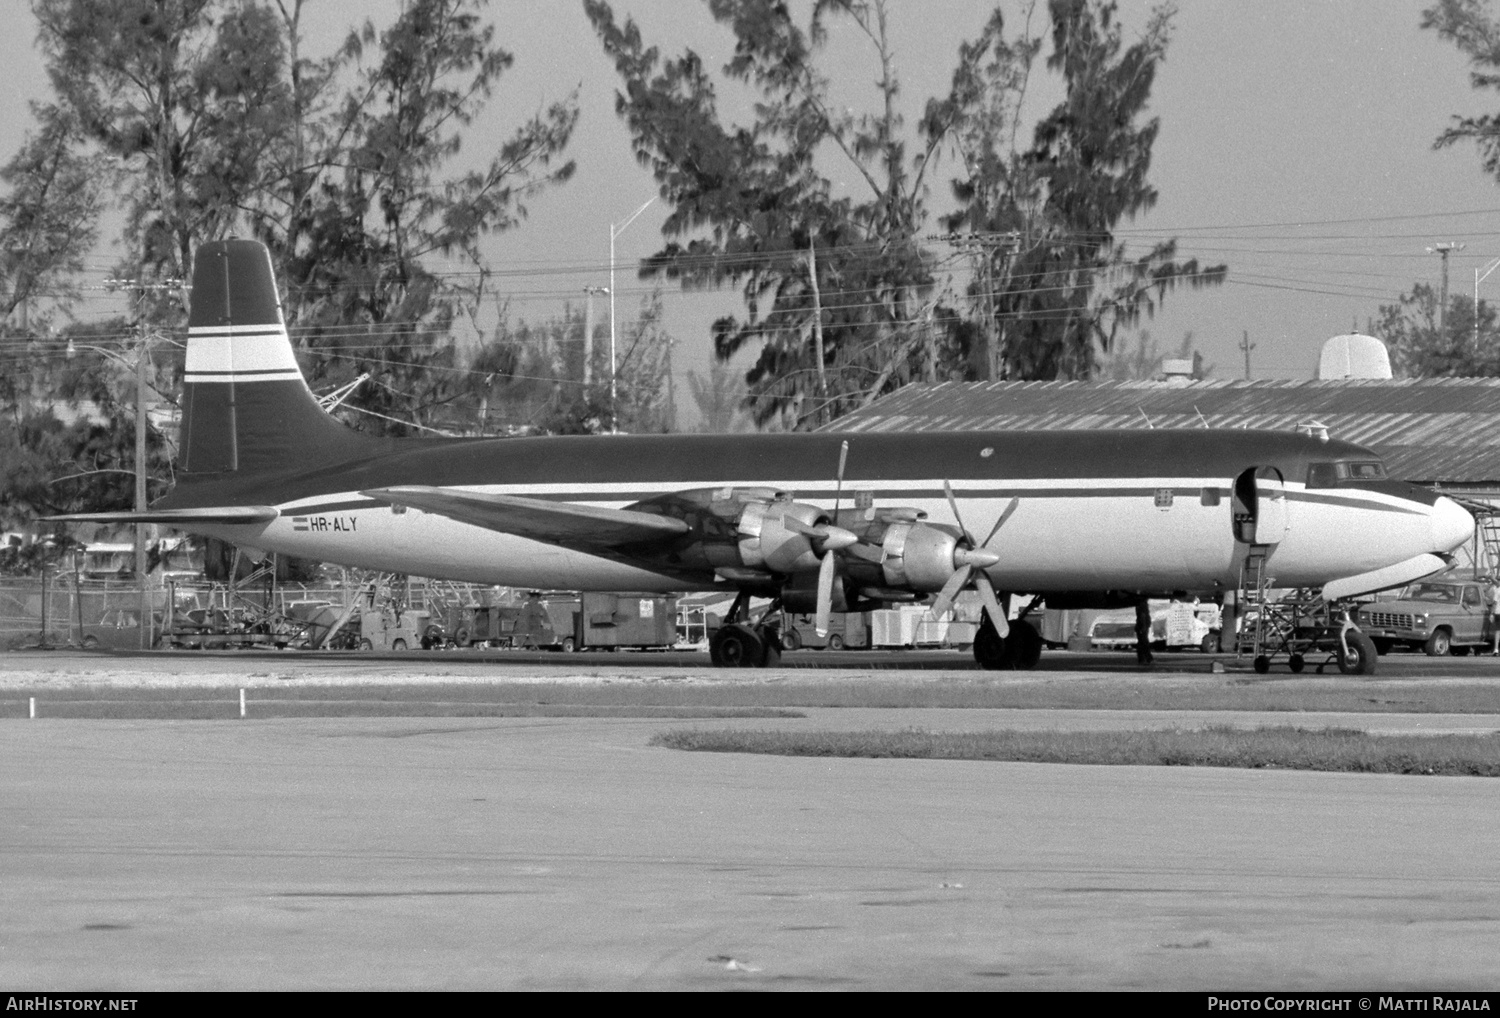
[[1437, 616]]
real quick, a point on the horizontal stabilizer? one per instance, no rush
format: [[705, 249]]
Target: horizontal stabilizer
[[564, 523], [1398, 575], [184, 518]]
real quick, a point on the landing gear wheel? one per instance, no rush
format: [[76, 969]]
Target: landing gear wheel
[[737, 646], [1360, 658], [1023, 646], [990, 647], [1262, 664], [1439, 644], [1296, 663]]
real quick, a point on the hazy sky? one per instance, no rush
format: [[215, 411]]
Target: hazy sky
[[1296, 145]]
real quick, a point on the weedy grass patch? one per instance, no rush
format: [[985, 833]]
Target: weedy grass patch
[[1289, 748]]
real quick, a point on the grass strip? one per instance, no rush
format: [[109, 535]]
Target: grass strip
[[1326, 749]]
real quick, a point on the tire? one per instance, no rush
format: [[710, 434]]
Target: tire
[[1360, 660], [366, 645], [989, 647], [737, 646], [91, 643], [461, 636], [1439, 644], [791, 640], [566, 646], [1210, 644], [1024, 646], [835, 641], [1296, 663], [398, 645], [1262, 664]]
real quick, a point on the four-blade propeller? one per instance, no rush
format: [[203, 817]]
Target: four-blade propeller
[[971, 563]]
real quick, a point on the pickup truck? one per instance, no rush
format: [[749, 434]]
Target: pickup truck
[[1438, 616]]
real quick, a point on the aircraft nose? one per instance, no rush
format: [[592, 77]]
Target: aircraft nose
[[1452, 525]]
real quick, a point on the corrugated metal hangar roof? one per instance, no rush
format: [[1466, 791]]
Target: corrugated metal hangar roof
[[1431, 430]]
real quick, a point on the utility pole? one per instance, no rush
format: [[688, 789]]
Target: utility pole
[[1444, 250], [1247, 346]]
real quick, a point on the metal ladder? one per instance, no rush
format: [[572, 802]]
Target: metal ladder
[[1252, 596]]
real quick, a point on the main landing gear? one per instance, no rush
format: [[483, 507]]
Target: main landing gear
[[1022, 649], [739, 643]]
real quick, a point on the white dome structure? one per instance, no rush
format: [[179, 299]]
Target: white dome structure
[[1354, 356]]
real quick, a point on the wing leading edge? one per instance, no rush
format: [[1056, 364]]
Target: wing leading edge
[[564, 523]]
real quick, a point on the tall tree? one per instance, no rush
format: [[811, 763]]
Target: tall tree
[[842, 297], [1054, 286], [49, 216], [187, 95], [835, 280], [369, 210]]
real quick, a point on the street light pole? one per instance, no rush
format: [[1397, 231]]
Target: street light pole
[[1479, 276], [1444, 249], [615, 229]]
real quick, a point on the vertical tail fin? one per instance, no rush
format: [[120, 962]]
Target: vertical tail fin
[[245, 405]]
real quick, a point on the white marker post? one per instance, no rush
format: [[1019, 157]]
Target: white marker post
[[242, 702], [33, 708]]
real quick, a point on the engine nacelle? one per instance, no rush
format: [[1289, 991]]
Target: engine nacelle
[[919, 556], [767, 543]]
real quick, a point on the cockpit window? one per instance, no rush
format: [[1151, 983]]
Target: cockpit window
[[1328, 475]]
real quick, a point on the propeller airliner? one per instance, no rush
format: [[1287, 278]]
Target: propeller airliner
[[817, 522]]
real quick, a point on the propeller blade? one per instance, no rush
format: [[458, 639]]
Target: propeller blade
[[825, 594], [1001, 522], [838, 491], [953, 505], [944, 600], [991, 603]]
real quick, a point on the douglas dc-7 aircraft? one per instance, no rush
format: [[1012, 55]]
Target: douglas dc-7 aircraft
[[815, 522]]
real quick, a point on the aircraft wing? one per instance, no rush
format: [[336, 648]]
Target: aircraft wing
[[564, 523], [238, 514]]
